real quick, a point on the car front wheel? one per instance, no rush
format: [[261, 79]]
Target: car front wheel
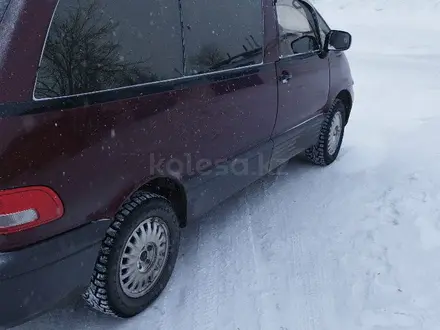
[[326, 150]]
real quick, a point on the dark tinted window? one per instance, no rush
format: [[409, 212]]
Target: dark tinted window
[[3, 5], [296, 32], [96, 45], [222, 34]]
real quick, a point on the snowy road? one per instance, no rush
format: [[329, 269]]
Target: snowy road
[[352, 246]]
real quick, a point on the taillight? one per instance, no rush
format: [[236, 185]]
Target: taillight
[[29, 207]]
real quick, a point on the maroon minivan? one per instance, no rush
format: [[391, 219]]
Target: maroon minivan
[[122, 120]]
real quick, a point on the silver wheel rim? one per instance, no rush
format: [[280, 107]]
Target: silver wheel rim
[[144, 257], [335, 133]]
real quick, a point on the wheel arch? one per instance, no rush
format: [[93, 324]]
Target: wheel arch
[[174, 191], [170, 188], [347, 99]]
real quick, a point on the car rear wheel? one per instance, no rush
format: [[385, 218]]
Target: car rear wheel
[[137, 257], [326, 150]]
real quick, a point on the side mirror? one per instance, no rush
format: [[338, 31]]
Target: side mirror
[[337, 40], [304, 44]]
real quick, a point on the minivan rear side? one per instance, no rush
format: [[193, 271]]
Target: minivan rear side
[[121, 121]]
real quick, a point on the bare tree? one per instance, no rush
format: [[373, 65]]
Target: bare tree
[[209, 56], [81, 56]]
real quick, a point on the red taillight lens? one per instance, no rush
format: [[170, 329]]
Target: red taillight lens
[[29, 207]]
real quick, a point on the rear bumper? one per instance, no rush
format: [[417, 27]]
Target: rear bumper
[[33, 280]]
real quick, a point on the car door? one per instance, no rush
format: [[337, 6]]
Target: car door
[[303, 80], [231, 101]]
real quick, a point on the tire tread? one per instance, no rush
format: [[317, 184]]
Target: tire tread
[[96, 294], [317, 154]]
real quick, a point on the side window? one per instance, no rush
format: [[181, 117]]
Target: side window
[[227, 36], [3, 5], [324, 29], [96, 45], [295, 25]]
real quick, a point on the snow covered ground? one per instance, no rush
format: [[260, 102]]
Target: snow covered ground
[[349, 247]]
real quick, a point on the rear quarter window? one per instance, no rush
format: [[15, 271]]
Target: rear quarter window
[[3, 5], [96, 45]]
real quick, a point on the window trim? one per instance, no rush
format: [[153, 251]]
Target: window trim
[[313, 52], [155, 83]]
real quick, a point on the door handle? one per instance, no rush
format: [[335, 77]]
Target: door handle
[[285, 77]]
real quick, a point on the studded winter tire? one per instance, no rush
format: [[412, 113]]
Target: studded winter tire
[[326, 150], [137, 257]]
